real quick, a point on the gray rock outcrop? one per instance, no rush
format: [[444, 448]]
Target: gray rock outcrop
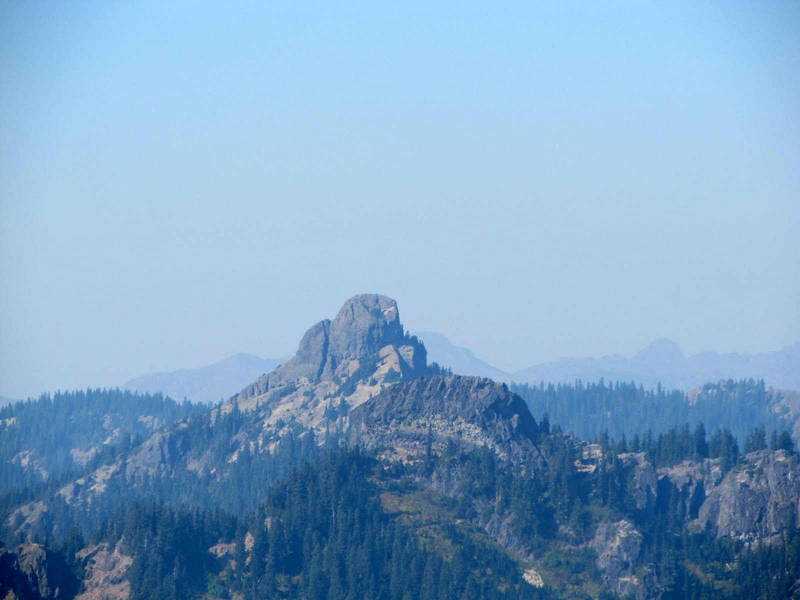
[[105, 573], [756, 499], [365, 325], [644, 480], [32, 572], [618, 546], [692, 481], [468, 410]]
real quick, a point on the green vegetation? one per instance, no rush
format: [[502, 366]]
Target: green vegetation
[[590, 410], [345, 527], [320, 534], [315, 520], [48, 441]]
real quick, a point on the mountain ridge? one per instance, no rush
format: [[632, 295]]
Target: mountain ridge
[[459, 359], [779, 369], [662, 362], [207, 384]]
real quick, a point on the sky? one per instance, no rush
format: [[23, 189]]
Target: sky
[[182, 181]]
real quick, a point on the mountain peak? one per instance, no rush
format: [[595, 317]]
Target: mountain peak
[[364, 324], [661, 351], [351, 357], [461, 361]]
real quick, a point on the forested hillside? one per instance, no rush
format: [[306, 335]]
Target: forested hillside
[[456, 524], [63, 434], [320, 533], [617, 409]]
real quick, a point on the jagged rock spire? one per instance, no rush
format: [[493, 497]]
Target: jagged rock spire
[[366, 325]]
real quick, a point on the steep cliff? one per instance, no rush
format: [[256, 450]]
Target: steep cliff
[[757, 499], [408, 417], [32, 572]]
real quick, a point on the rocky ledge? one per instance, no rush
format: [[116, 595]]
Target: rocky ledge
[[438, 409]]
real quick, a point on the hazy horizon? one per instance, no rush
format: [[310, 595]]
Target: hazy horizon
[[288, 354], [476, 352], [183, 182]]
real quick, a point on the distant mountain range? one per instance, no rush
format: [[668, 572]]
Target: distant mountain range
[[206, 384], [661, 362], [460, 360]]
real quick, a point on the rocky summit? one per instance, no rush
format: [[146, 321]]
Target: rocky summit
[[362, 375], [339, 365]]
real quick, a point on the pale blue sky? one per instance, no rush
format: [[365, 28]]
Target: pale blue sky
[[182, 181]]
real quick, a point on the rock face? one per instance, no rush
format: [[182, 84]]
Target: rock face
[[339, 365], [365, 325], [105, 570], [644, 480], [32, 572], [500, 527], [692, 480], [756, 499], [787, 404], [618, 545], [436, 409]]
